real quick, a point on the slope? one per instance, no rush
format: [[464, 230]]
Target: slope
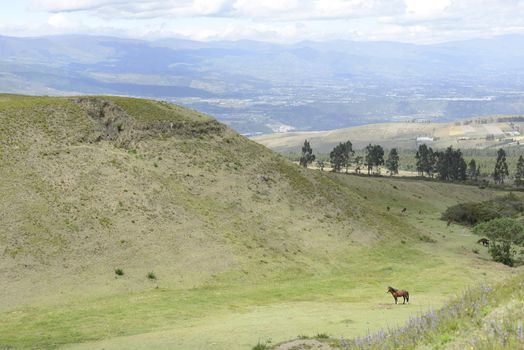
[[403, 135], [238, 238]]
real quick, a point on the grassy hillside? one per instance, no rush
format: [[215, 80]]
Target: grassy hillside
[[244, 245], [470, 134]]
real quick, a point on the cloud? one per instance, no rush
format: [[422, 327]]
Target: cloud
[[70, 5], [268, 9], [418, 21], [61, 21]]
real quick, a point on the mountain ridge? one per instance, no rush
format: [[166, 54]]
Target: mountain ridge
[[259, 87]]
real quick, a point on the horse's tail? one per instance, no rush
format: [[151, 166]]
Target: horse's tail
[[407, 296]]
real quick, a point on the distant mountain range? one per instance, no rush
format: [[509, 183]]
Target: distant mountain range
[[258, 87]]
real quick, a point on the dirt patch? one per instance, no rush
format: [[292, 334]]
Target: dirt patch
[[384, 306], [114, 124]]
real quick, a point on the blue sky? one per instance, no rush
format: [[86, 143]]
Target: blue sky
[[418, 21]]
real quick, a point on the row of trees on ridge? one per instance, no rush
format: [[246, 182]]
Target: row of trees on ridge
[[448, 165]]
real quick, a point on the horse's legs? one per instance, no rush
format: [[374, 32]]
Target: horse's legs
[[395, 300], [404, 299]]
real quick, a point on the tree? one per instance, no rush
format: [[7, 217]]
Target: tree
[[450, 165], [340, 156], [374, 157], [392, 162], [472, 172], [358, 162], [503, 232], [307, 154], [320, 164], [519, 175], [426, 160], [501, 167]]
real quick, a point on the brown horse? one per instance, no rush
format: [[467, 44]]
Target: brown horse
[[399, 293]]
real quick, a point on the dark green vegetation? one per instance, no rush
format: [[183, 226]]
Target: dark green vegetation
[[495, 219], [505, 234], [501, 167], [340, 156], [307, 155], [446, 165], [392, 163], [245, 245], [374, 157], [472, 213]]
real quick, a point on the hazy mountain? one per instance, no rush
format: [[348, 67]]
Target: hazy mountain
[[261, 87]]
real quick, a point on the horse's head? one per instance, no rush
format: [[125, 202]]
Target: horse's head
[[390, 290]]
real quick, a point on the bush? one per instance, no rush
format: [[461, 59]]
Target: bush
[[151, 276], [260, 346], [503, 232], [501, 252], [502, 229], [119, 272], [474, 213]]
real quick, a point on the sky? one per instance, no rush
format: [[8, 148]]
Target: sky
[[283, 21]]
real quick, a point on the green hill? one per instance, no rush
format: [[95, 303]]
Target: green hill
[[243, 245]]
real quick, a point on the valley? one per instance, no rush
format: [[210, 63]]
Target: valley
[[222, 243]]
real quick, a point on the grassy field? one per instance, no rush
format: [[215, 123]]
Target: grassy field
[[482, 317], [245, 245]]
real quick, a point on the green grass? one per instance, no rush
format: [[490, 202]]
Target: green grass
[[246, 245]]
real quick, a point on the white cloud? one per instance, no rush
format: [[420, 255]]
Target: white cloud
[[426, 9], [285, 20], [275, 9], [70, 5], [60, 20]]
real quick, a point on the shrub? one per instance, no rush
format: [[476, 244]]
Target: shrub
[[470, 213], [119, 272], [151, 275], [474, 213], [501, 252], [260, 346], [322, 336], [503, 232], [502, 229]]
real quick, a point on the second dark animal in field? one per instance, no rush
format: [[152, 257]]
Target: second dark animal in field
[[397, 293], [484, 242], [404, 210]]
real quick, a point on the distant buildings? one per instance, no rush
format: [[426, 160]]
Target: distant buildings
[[423, 140]]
